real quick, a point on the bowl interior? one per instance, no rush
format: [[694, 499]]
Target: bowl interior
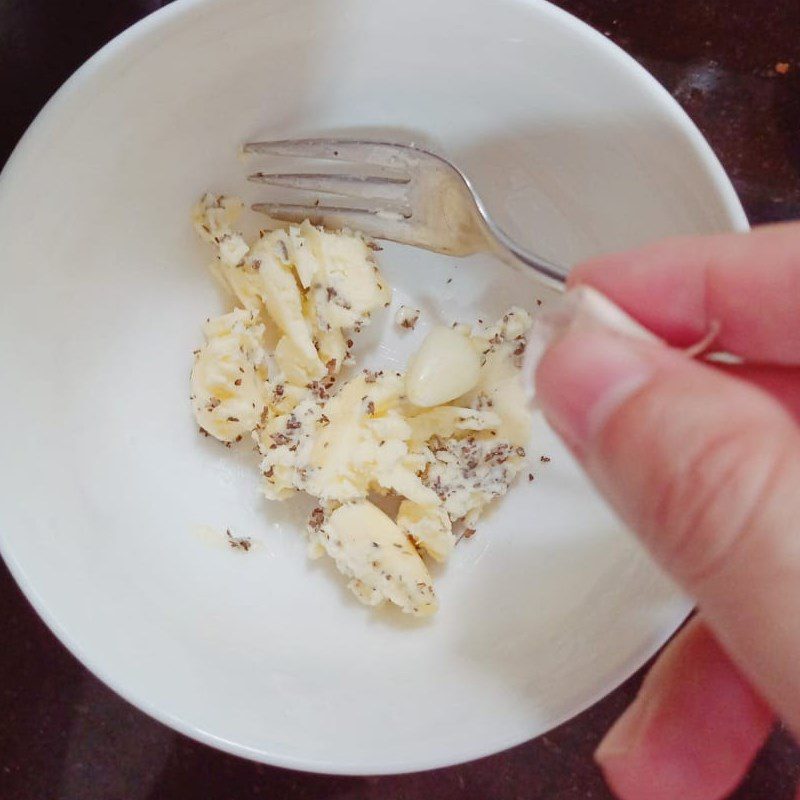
[[113, 508]]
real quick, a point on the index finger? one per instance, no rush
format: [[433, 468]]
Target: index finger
[[748, 283]]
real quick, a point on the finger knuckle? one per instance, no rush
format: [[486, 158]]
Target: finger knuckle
[[710, 502]]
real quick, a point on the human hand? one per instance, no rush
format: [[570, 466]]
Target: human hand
[[703, 462]]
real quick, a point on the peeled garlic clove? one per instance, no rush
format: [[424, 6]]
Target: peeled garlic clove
[[579, 309], [445, 367], [586, 309]]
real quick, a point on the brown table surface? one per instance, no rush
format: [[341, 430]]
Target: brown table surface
[[63, 734]]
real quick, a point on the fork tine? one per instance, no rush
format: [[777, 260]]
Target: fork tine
[[379, 224], [369, 187], [300, 211], [380, 154]]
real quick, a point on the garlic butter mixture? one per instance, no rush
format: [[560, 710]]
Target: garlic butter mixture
[[446, 437]]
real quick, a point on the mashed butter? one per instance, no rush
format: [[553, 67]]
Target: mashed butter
[[373, 551], [229, 374], [447, 436]]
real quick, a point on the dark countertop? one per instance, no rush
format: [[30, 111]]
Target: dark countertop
[[64, 735]]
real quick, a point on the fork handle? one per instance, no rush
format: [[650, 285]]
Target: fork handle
[[507, 250]]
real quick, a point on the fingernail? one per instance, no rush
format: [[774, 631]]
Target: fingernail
[[584, 377], [624, 735]]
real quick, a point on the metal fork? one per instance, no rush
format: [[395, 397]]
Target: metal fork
[[399, 192]]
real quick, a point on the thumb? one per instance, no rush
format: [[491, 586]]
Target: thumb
[[706, 470]]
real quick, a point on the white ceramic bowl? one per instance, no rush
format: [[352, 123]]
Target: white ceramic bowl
[[105, 484]]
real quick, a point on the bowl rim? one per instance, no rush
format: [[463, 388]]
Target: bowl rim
[[734, 214]]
